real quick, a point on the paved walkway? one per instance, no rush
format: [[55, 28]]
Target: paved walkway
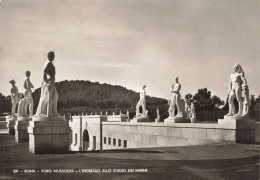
[[236, 161]]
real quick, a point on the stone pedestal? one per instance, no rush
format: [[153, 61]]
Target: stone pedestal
[[245, 128], [21, 132], [2, 118], [140, 119], [10, 125], [48, 135], [175, 119]]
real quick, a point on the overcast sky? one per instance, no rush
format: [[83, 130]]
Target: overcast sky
[[133, 42]]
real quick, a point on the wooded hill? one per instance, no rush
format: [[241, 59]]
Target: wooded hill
[[80, 96]]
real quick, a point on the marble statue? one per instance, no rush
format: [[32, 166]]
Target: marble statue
[[49, 95], [192, 113], [158, 116], [106, 113], [142, 102], [127, 114], [27, 100], [15, 97], [176, 100], [237, 82], [188, 100]]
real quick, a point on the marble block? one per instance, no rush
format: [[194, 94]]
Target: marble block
[[176, 119], [2, 118], [10, 125], [48, 135], [21, 133], [245, 128], [140, 119]]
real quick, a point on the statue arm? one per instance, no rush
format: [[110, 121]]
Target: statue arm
[[244, 82]]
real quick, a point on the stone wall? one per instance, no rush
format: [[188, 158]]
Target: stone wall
[[83, 127], [95, 132], [139, 135]]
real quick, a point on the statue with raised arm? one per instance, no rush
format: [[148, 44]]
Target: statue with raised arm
[[142, 102], [49, 96], [237, 81], [176, 100], [15, 97], [27, 100]]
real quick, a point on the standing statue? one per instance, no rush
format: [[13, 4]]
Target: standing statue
[[15, 97], [27, 100], [142, 102], [49, 95], [188, 99], [237, 81], [176, 100], [158, 116], [192, 113], [127, 114]]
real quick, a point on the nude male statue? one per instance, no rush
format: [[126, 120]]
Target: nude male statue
[[15, 97], [27, 100], [175, 89], [237, 80], [142, 102]]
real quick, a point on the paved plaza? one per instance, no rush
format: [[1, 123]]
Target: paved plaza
[[230, 161]]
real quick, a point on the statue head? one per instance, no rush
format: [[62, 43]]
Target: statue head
[[27, 73], [144, 86], [176, 79], [12, 82], [236, 67], [51, 55]]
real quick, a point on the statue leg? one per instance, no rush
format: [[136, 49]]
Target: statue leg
[[55, 101], [30, 101], [173, 106], [231, 105], [20, 110], [144, 108], [50, 103], [239, 99], [178, 103], [25, 107], [137, 108]]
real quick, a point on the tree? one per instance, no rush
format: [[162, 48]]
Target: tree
[[204, 101]]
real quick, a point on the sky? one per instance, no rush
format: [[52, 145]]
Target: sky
[[132, 43]]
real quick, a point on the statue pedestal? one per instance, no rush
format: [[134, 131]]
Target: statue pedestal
[[10, 125], [48, 135], [175, 119], [21, 132], [245, 128], [141, 119]]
